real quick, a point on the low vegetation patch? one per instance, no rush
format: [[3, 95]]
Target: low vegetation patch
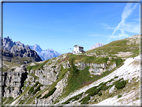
[[99, 93], [62, 72], [37, 89], [31, 90], [116, 77], [50, 93], [35, 77], [119, 96], [121, 83], [36, 84], [39, 96], [115, 47], [73, 98], [85, 100], [37, 66], [77, 78], [9, 100]]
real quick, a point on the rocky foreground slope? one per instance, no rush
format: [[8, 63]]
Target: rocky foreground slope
[[69, 79]]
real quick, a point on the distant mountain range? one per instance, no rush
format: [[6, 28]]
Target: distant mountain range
[[96, 46], [18, 52], [45, 54]]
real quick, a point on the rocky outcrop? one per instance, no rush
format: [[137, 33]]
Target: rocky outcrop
[[7, 55], [124, 54], [133, 40], [66, 65], [58, 92], [81, 65], [14, 81], [95, 69], [8, 43]]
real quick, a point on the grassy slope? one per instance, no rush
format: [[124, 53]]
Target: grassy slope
[[115, 47], [81, 78]]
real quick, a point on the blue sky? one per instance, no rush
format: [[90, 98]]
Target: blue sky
[[60, 26]]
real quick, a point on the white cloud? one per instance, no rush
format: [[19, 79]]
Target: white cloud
[[123, 26], [106, 26]]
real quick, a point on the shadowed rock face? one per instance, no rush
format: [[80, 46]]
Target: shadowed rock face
[[14, 81], [21, 51], [15, 51]]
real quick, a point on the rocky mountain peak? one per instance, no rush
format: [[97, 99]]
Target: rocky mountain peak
[[97, 45], [19, 43], [37, 48], [45, 54], [7, 43]]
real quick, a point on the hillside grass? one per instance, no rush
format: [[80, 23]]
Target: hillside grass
[[87, 59], [37, 66], [21, 60], [10, 65], [80, 78], [115, 47]]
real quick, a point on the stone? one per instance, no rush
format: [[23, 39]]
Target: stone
[[112, 89]]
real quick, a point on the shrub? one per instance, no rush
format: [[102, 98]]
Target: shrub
[[76, 97], [116, 77], [95, 100], [50, 93], [118, 61], [111, 80], [120, 84], [119, 96], [73, 98], [85, 100], [39, 96], [94, 92], [102, 86], [37, 89], [66, 102], [31, 90], [100, 94], [53, 67], [36, 84], [90, 90]]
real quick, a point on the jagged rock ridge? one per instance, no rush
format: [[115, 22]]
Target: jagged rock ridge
[[16, 51]]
